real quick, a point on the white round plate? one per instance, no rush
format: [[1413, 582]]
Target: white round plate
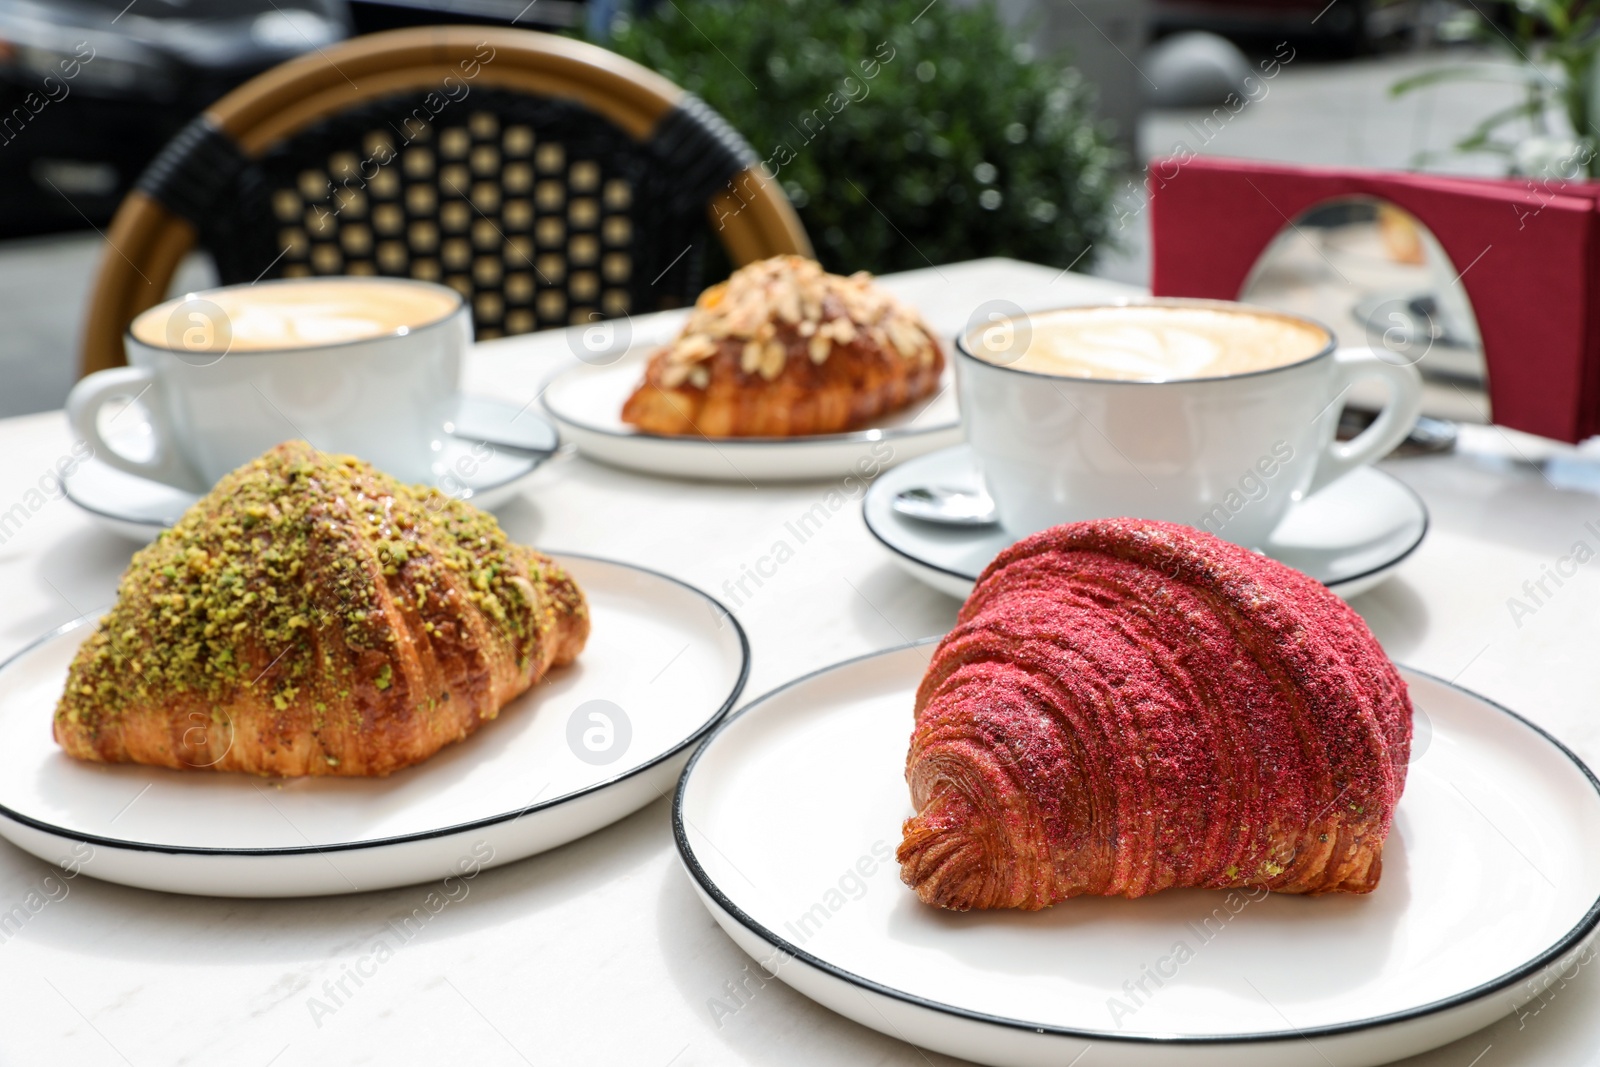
[[1350, 536], [668, 656], [585, 402], [788, 816], [492, 447]]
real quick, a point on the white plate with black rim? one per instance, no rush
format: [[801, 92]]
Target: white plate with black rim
[[589, 744], [1350, 536], [788, 815], [488, 449], [585, 402]]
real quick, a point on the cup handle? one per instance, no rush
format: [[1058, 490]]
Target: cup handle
[[1392, 425], [83, 412]]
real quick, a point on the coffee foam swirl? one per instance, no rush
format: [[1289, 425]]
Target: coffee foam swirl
[[296, 314], [1163, 342]]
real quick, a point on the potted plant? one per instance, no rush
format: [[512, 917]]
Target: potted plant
[[1552, 45], [907, 134]]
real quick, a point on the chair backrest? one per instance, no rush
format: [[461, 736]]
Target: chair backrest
[[549, 181]]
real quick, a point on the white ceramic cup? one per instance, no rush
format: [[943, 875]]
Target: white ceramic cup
[[1229, 455], [214, 405]]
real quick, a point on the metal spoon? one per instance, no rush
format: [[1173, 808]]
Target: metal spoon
[[946, 507]]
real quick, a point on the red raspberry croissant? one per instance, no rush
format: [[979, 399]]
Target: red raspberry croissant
[[1126, 706]]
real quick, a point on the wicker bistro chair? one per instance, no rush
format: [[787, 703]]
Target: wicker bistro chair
[[549, 181]]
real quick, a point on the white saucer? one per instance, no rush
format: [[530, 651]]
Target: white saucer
[[668, 658], [517, 442], [788, 816], [1350, 536], [585, 402]]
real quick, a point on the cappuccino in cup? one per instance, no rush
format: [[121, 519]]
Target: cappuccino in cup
[[301, 313], [367, 366], [1163, 343], [1164, 410]]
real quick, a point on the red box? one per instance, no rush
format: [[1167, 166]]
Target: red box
[[1527, 252]]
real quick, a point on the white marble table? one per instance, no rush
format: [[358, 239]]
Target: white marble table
[[599, 953]]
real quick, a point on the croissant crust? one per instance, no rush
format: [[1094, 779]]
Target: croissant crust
[[1128, 706], [311, 616]]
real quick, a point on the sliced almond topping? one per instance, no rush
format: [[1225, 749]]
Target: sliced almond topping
[[772, 360], [857, 306], [811, 300], [761, 300], [908, 340], [697, 346], [788, 302]]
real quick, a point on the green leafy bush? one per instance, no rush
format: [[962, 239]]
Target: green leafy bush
[[906, 133]]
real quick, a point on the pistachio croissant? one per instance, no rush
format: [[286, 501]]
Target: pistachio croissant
[[784, 349], [312, 616], [1128, 706]]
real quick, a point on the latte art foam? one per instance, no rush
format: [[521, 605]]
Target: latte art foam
[[308, 313], [1158, 343]]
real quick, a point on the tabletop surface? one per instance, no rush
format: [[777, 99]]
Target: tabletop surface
[[599, 952]]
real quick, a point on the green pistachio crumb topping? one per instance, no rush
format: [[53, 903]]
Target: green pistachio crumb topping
[[289, 578]]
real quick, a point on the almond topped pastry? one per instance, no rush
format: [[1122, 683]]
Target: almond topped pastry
[[1128, 706], [313, 616], [782, 349]]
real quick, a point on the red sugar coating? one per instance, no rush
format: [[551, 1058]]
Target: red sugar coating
[[1125, 706]]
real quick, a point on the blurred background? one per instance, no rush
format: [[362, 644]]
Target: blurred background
[[1018, 128]]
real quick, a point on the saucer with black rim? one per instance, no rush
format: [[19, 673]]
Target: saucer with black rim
[[490, 447], [593, 742], [1349, 536], [1490, 891], [585, 399]]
